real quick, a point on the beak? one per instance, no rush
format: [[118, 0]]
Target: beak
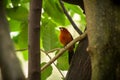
[[60, 28]]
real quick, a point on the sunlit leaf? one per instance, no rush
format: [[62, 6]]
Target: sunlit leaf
[[14, 25], [23, 36], [62, 62], [52, 8], [25, 55], [46, 73], [74, 8], [49, 37]]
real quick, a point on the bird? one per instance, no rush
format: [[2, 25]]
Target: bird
[[65, 37]]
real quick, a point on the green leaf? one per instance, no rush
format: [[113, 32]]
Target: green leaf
[[23, 36], [25, 55], [74, 8], [52, 8], [62, 62], [46, 73], [48, 35], [19, 13], [14, 25], [15, 39]]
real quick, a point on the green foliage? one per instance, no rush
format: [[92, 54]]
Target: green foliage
[[14, 25], [77, 10], [18, 13], [18, 21], [52, 18], [5, 2], [15, 2], [49, 37], [25, 55], [25, 1], [46, 73], [62, 62], [23, 36], [73, 9], [53, 10]]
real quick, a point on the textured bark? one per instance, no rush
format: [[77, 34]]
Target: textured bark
[[10, 66], [103, 25], [34, 39], [80, 68]]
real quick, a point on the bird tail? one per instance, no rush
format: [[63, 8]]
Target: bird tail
[[70, 55]]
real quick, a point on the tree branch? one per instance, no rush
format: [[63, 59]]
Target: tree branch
[[64, 49], [69, 18], [34, 40], [10, 67], [24, 49], [56, 49], [53, 62]]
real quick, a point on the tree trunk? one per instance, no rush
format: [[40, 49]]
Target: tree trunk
[[10, 66], [80, 68], [34, 39], [103, 26]]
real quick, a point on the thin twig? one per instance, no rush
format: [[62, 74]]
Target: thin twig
[[53, 63], [62, 50], [69, 18], [56, 49], [24, 49]]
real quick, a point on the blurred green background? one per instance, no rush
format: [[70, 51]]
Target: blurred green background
[[52, 17]]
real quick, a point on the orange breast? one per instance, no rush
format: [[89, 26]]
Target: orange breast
[[65, 37]]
